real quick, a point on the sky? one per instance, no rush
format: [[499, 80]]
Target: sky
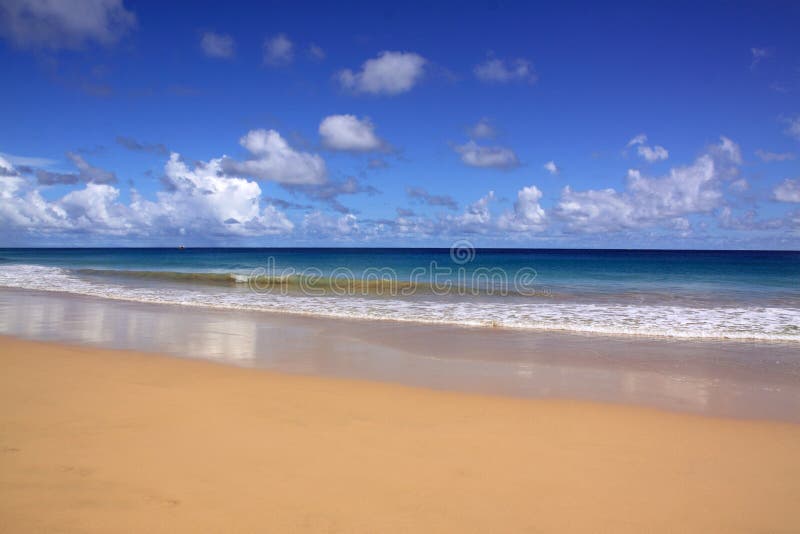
[[509, 124]]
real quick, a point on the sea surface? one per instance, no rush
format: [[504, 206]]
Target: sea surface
[[751, 296]]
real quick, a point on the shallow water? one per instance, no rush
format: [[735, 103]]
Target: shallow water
[[745, 296]]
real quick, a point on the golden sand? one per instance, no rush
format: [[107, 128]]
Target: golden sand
[[107, 441]]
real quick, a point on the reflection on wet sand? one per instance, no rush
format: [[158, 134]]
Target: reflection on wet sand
[[733, 379]]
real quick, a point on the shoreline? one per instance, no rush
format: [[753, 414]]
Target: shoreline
[[734, 330], [713, 378], [94, 439]]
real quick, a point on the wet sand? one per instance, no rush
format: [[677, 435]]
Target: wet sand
[[732, 379], [96, 440]]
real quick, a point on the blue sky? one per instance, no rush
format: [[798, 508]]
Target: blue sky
[[510, 124]]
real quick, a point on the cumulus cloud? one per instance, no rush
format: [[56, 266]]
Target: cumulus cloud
[[86, 173], [200, 201], [483, 129], [273, 159], [648, 153], [685, 190], [552, 168], [204, 200], [391, 73], [496, 157], [50, 24], [726, 151], [595, 210], [349, 133], [768, 157], [138, 146], [528, 214], [476, 218], [788, 191], [323, 225], [278, 50], [423, 196], [749, 221], [23, 208], [212, 198], [217, 45], [6, 167], [495, 70]]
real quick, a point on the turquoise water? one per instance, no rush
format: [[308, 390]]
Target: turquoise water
[[687, 294]]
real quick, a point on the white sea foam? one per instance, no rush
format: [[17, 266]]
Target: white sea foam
[[747, 323]]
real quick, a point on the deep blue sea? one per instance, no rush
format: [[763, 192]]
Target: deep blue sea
[[742, 295]]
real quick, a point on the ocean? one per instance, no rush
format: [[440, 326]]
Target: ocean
[[726, 295]]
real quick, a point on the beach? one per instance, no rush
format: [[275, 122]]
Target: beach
[[162, 391], [97, 440]]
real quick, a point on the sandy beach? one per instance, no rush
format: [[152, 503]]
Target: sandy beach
[[95, 440]]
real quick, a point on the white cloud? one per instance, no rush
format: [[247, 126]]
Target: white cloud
[[347, 132], [217, 45], [273, 159], [476, 217], [681, 224], [95, 207], [278, 50], [496, 157], [749, 221], [739, 186], [483, 129], [788, 191], [792, 126], [684, 190], [200, 201], [650, 154], [503, 71], [391, 73], [528, 214], [10, 180], [595, 211], [726, 151], [774, 156], [206, 201], [637, 140], [552, 168], [322, 225], [53, 24]]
